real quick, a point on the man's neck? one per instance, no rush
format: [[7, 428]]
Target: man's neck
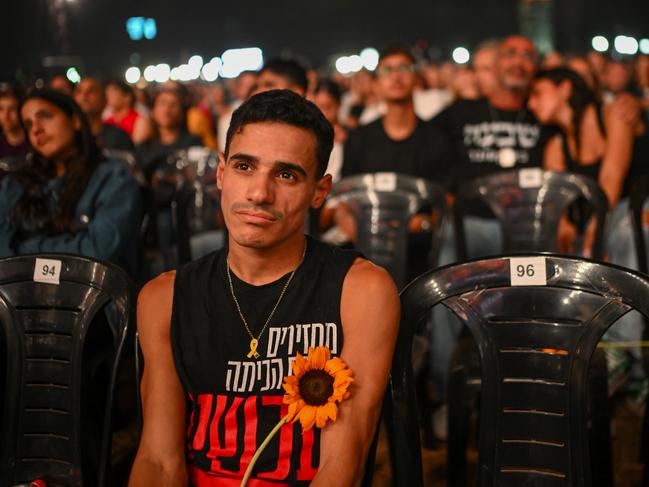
[[168, 135], [15, 137], [262, 266], [400, 120], [96, 124], [505, 99]]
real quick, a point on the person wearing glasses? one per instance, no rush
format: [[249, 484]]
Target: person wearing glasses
[[398, 142]]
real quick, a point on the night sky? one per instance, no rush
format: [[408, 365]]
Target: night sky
[[310, 29]]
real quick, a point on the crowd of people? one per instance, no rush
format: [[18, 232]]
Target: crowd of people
[[63, 188]]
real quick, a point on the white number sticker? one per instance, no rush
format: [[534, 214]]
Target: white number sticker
[[531, 177], [385, 181], [47, 271], [527, 271]]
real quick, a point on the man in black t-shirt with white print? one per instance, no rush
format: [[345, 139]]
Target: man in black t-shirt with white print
[[498, 132]]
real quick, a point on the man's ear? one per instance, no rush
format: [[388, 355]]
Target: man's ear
[[76, 122], [219, 171], [322, 189]]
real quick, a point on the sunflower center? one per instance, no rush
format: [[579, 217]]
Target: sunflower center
[[316, 386]]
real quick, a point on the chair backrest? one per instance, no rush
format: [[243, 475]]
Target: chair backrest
[[536, 320], [129, 160], [529, 203], [383, 204], [639, 194], [196, 200], [63, 324]]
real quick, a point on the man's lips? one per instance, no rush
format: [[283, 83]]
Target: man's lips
[[255, 216], [41, 141]]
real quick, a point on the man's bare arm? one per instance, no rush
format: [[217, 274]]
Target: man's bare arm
[[160, 458], [370, 321]]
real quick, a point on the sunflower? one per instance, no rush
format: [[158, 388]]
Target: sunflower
[[318, 383]]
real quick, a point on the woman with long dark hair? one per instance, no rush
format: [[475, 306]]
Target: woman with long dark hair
[[599, 146], [67, 197]]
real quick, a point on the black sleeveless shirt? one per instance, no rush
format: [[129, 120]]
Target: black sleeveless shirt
[[235, 401]]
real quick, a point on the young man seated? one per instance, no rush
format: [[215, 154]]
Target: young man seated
[[219, 334]]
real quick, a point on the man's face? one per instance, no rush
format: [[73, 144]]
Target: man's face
[[267, 80], [395, 78], [244, 85], [617, 76], [167, 110], [9, 114], [89, 94], [268, 182], [516, 63], [328, 105], [484, 62], [117, 100]]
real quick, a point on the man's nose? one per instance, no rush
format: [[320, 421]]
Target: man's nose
[[260, 190]]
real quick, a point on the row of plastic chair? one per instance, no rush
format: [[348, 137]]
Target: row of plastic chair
[[535, 332]]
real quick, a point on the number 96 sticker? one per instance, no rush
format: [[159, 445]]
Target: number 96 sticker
[[527, 271], [47, 271]]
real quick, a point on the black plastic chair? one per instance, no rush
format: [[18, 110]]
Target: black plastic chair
[[195, 202], [637, 198], [535, 345], [639, 194], [529, 203], [382, 204], [62, 345]]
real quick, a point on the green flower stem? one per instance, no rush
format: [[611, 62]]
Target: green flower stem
[[261, 448]]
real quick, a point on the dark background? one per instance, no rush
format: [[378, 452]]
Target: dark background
[[312, 29]]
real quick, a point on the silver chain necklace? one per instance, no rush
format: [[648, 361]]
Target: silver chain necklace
[[254, 342]]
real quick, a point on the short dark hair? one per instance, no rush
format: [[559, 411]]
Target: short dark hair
[[289, 69], [285, 106], [123, 87], [331, 87], [392, 49]]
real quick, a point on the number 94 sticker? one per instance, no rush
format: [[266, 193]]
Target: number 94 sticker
[[47, 271], [527, 271]]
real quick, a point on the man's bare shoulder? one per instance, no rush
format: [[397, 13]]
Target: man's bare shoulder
[[159, 288], [155, 301], [366, 280]]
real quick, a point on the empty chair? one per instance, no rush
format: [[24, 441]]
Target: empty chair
[[382, 204], [63, 325], [536, 320], [528, 203]]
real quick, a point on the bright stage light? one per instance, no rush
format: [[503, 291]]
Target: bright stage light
[[461, 55], [132, 75], [370, 57], [626, 45], [600, 43], [73, 75], [644, 46]]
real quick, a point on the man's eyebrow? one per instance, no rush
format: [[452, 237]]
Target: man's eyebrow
[[291, 166], [240, 156]]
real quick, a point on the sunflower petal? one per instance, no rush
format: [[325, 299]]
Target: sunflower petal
[[299, 366], [307, 417], [324, 413], [294, 409], [334, 365]]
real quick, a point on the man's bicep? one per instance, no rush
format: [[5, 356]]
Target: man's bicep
[[163, 400], [370, 316], [370, 313]]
